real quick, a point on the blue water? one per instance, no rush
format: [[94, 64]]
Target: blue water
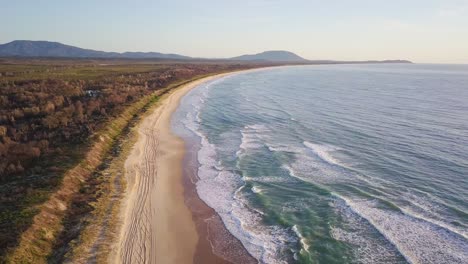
[[336, 163]]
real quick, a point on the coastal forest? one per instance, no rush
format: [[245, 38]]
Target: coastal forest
[[50, 116]]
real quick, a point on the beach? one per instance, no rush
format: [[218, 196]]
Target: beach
[[162, 222]]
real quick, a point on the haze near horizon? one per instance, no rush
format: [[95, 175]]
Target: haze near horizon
[[421, 31]]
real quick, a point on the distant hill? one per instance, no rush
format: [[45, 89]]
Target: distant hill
[[357, 62], [146, 55], [28, 48], [273, 56]]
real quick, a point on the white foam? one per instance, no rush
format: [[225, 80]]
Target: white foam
[[290, 170], [310, 169], [220, 189], [282, 148], [250, 140], [419, 240], [304, 243], [266, 179], [256, 189], [323, 151], [431, 211], [356, 231]]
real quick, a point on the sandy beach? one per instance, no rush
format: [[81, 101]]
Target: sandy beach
[[158, 225]]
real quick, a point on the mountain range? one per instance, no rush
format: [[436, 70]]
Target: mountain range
[[29, 48]]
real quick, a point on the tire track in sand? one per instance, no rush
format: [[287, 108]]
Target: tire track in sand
[[139, 234], [157, 225]]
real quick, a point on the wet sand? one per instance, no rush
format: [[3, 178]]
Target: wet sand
[[216, 244]]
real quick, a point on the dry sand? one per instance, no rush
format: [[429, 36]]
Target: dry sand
[[157, 224]]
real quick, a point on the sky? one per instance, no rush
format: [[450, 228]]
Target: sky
[[426, 31]]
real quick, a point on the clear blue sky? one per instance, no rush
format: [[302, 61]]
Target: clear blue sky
[[420, 30]]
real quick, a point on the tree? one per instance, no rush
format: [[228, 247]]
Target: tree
[[48, 108], [3, 131], [79, 111]]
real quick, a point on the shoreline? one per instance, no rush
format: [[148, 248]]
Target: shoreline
[[163, 219], [216, 244]]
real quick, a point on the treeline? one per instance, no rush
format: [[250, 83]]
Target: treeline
[[38, 116]]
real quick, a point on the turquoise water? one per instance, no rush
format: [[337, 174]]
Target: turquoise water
[[336, 163]]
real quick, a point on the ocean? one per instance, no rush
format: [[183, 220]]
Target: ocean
[[336, 163]]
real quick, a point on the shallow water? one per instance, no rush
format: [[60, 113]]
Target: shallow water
[[336, 163]]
